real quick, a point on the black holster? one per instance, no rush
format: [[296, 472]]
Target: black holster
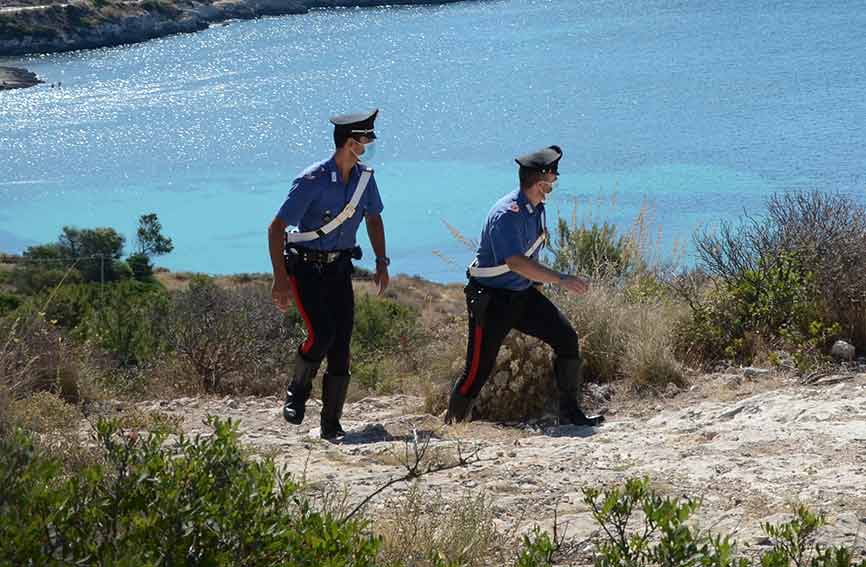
[[478, 299], [290, 256]]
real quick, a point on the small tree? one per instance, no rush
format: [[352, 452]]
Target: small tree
[[149, 242], [97, 251]]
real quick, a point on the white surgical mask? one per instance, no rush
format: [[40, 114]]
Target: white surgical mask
[[368, 154]]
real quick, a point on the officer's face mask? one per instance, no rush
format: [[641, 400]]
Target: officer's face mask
[[364, 152], [547, 187]]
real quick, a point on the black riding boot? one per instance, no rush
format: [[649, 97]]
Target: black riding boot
[[334, 390], [298, 390], [569, 381], [459, 407]]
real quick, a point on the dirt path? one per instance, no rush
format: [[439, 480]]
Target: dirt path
[[750, 450]]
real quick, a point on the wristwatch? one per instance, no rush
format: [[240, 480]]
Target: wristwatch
[[383, 259]]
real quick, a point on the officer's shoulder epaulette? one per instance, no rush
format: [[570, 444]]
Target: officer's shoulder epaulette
[[514, 207], [366, 168], [312, 172]]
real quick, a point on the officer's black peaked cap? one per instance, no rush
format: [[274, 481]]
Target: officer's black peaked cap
[[543, 160], [358, 124]]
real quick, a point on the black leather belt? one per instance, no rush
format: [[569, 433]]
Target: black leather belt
[[308, 255], [322, 257]]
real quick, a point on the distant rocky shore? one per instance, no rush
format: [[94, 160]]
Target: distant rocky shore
[[67, 25], [14, 78]]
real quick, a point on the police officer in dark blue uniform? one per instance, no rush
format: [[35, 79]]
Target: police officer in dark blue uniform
[[313, 264], [501, 294]]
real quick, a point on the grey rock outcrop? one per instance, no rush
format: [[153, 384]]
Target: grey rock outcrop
[[843, 351]]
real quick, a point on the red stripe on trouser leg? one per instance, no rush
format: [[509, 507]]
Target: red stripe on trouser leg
[[476, 358], [308, 344]]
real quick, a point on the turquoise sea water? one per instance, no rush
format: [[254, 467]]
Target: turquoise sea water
[[700, 109]]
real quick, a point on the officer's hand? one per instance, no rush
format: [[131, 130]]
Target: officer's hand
[[575, 284], [281, 293], [381, 278]]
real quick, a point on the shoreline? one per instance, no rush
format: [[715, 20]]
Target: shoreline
[[17, 78], [60, 27]]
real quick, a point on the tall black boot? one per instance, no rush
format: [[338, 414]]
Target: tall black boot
[[334, 390], [459, 407], [298, 390], [569, 381]]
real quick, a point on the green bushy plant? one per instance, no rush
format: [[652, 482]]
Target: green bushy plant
[[642, 528], [128, 320], [381, 324], [196, 501], [384, 330], [596, 249], [537, 550], [800, 264], [125, 318], [32, 278], [8, 302], [777, 304]]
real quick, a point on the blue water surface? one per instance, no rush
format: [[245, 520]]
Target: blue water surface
[[693, 110]]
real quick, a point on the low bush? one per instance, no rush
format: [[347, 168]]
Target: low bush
[[792, 278], [775, 306], [596, 249], [385, 338], [8, 303], [640, 528], [233, 339], [195, 501]]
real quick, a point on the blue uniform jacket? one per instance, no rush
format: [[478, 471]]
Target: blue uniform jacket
[[512, 226], [317, 196]]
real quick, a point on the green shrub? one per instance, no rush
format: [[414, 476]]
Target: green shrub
[[382, 325], [809, 252], [595, 250], [384, 334], [140, 266], [197, 501], [67, 305], [127, 320], [775, 305], [642, 528], [8, 303], [30, 279], [537, 550]]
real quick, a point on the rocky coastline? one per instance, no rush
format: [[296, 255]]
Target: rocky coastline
[[82, 24], [15, 78]]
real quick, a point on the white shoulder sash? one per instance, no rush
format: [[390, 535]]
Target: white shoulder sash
[[344, 215]]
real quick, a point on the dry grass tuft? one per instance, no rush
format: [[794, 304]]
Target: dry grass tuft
[[422, 529], [621, 339]]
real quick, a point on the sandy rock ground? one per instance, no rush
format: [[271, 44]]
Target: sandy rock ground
[[750, 447]]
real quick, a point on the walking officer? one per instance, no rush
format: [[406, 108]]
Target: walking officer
[[313, 264], [501, 294]]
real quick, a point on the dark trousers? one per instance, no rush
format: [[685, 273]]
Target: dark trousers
[[325, 299], [528, 311]]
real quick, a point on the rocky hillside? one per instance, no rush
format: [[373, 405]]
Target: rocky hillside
[[28, 26], [750, 444]]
